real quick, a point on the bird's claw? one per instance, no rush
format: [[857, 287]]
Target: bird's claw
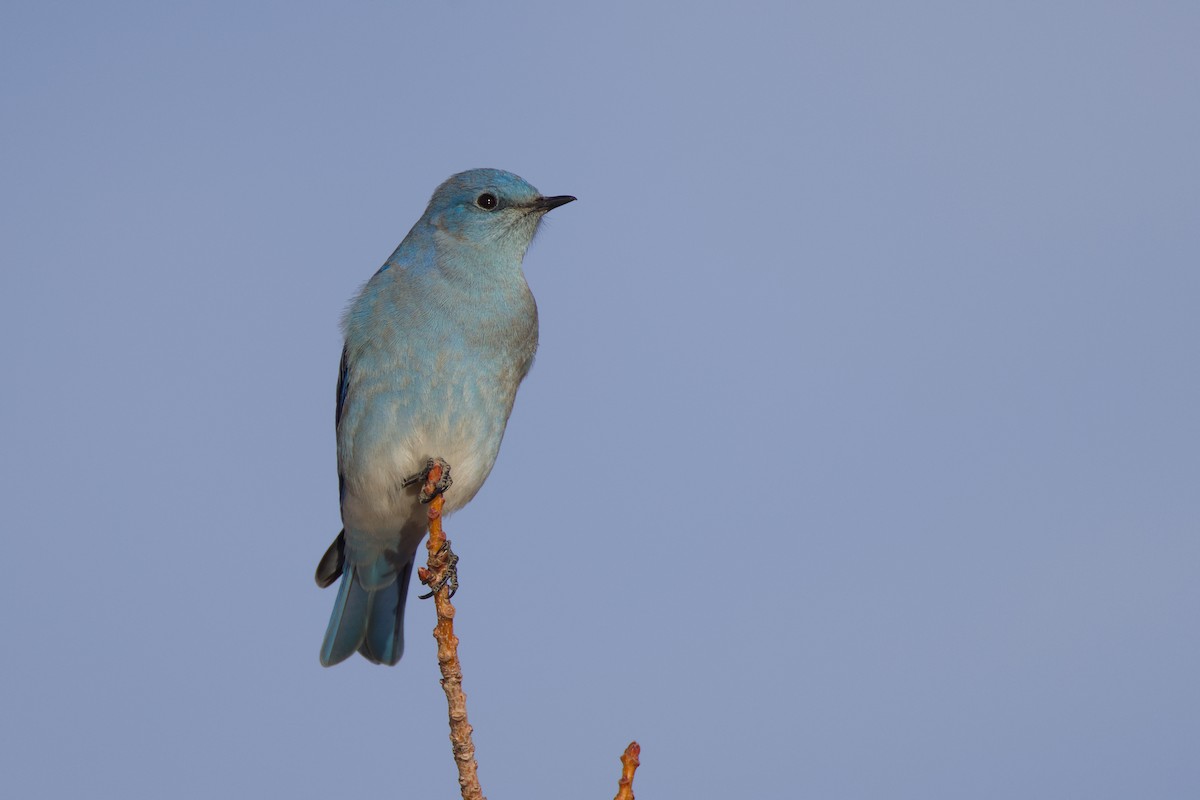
[[443, 483], [448, 575]]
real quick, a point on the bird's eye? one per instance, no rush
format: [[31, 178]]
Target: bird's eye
[[486, 201]]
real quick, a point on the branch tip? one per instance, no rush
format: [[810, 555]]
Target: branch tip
[[630, 761]]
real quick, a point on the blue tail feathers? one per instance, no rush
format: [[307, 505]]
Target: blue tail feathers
[[370, 621]]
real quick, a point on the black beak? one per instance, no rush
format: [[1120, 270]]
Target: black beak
[[547, 203]]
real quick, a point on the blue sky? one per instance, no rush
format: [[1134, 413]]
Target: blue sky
[[860, 457]]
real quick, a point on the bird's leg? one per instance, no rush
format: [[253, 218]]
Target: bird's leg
[[446, 576], [443, 563], [440, 485]]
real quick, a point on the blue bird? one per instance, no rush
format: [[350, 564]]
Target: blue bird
[[436, 344]]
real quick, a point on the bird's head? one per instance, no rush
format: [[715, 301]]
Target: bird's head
[[489, 208]]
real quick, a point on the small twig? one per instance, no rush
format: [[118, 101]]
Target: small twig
[[630, 761], [447, 647]]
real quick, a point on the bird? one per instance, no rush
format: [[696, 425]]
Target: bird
[[435, 345]]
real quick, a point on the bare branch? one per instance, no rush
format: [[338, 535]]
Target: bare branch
[[630, 761], [447, 644]]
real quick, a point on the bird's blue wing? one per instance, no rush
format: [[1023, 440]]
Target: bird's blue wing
[[332, 563], [343, 388]]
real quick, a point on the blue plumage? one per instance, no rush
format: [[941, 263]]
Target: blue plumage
[[437, 342]]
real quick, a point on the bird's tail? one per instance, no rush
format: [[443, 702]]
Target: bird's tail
[[369, 620]]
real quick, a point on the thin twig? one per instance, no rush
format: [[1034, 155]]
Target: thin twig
[[447, 647], [630, 761]]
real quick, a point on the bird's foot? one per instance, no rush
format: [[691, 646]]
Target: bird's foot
[[440, 484], [447, 576]]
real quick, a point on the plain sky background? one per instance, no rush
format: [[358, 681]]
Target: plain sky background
[[861, 457]]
